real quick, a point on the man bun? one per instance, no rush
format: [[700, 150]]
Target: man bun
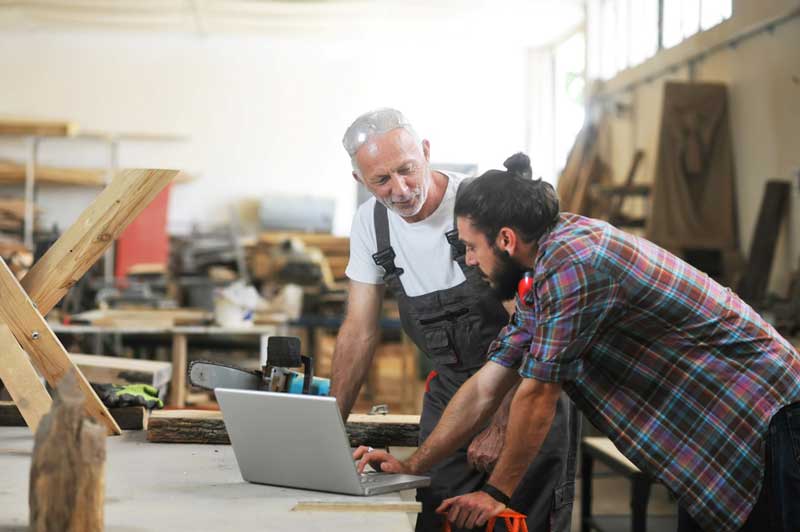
[[519, 164]]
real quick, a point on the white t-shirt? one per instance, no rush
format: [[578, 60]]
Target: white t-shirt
[[421, 248]]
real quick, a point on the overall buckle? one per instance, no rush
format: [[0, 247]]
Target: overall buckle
[[458, 246], [385, 259]]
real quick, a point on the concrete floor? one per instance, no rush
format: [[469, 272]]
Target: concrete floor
[[184, 487]]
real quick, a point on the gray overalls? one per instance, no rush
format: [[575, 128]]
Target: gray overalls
[[454, 327]]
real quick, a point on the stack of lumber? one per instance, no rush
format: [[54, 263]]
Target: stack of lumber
[[18, 257], [144, 318], [392, 379], [335, 252], [12, 214]]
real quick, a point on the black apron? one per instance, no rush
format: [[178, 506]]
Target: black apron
[[454, 328]]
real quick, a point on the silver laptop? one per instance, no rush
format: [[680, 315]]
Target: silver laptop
[[298, 441]]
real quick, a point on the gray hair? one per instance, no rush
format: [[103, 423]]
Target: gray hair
[[370, 124]]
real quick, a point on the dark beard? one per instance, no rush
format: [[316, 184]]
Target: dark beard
[[506, 276]]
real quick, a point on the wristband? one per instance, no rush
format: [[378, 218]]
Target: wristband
[[496, 494]]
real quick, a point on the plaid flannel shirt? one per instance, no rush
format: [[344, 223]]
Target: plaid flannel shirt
[[680, 373]]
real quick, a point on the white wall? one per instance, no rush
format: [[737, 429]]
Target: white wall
[[264, 114]]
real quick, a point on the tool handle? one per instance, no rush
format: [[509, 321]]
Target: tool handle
[[308, 368]]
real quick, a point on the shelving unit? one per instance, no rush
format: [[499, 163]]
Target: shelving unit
[[34, 132]]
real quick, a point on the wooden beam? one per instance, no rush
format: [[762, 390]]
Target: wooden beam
[[127, 417], [753, 284], [206, 426], [21, 380], [19, 312], [95, 230]]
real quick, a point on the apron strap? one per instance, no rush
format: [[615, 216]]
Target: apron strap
[[385, 255]]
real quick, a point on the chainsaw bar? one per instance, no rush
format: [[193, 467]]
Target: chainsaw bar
[[210, 375]]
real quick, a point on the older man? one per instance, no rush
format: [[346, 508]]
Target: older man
[[687, 380], [405, 238]]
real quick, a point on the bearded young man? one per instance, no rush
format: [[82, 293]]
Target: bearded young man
[[404, 239], [685, 378]]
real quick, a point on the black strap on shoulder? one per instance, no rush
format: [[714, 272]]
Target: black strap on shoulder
[[385, 255], [457, 248]]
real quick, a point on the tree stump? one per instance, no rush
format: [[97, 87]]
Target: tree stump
[[67, 481]]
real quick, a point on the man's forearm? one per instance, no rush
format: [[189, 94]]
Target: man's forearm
[[466, 413], [529, 422], [500, 417], [352, 357]]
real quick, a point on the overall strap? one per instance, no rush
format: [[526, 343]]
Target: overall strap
[[457, 249], [385, 255]]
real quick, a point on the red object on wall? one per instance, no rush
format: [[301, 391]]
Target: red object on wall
[[145, 240]]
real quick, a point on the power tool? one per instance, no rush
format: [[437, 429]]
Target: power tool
[[283, 353]]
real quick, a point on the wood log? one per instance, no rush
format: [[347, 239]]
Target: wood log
[[127, 417], [67, 479], [206, 426]]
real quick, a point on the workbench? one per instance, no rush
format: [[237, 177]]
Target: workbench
[[180, 341], [191, 487]]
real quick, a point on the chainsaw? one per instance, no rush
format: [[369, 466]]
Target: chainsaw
[[283, 353]]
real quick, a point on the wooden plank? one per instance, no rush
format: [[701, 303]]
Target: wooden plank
[[753, 285], [365, 505], [21, 380], [160, 317], [13, 173], [127, 417], [43, 128], [47, 354], [206, 426], [119, 370], [95, 230], [180, 348]]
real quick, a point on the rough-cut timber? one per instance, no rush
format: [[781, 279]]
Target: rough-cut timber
[[67, 481], [203, 426]]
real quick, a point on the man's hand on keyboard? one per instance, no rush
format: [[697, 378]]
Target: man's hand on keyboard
[[379, 460]]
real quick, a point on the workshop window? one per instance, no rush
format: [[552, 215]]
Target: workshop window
[[625, 33]]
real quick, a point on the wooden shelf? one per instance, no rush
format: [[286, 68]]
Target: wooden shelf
[[37, 128]]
